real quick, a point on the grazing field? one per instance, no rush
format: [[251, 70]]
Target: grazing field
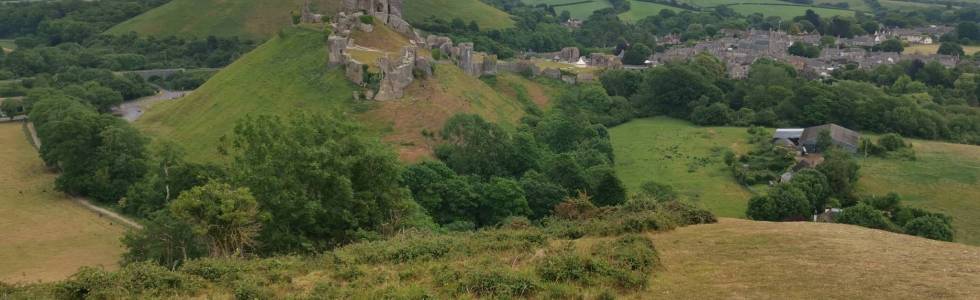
[[787, 12], [932, 49], [685, 156], [251, 19], [852, 4], [468, 10], [907, 5], [639, 10], [739, 259], [46, 235], [945, 177], [284, 75]]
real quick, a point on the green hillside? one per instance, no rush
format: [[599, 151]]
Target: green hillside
[[284, 75], [468, 10], [944, 177], [253, 19]]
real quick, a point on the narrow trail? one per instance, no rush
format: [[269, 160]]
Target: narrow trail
[[82, 201]]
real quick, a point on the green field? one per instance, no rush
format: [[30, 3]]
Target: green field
[[468, 10], [283, 75], [945, 177], [668, 151], [47, 236], [787, 12], [639, 10], [252, 19]]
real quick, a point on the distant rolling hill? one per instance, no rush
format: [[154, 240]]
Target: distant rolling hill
[[289, 74], [261, 19], [252, 19]]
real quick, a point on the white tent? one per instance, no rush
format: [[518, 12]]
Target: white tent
[[581, 63]]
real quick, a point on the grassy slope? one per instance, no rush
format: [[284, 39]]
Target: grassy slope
[[429, 103], [46, 236], [945, 177], [289, 74], [468, 10], [664, 150], [788, 12], [738, 259], [283, 75], [253, 19]]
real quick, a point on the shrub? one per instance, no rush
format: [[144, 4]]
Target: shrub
[[892, 142], [215, 270], [150, 278], [91, 283], [251, 289], [566, 265], [367, 19], [436, 54], [496, 283], [930, 227], [515, 222], [688, 214], [460, 226], [866, 216], [576, 208], [658, 191]]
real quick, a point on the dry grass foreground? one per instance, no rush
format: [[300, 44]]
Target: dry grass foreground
[[46, 236], [739, 259]]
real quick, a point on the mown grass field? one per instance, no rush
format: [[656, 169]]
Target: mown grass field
[[787, 12], [284, 75], [740, 259], [639, 10], [945, 177], [46, 235], [932, 49], [251, 19], [685, 156], [469, 10]]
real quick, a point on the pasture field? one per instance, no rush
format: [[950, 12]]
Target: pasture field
[[687, 157], [740, 259], [47, 236], [251, 19], [639, 10], [932, 49], [487, 16], [787, 12], [907, 5], [945, 177], [852, 4]]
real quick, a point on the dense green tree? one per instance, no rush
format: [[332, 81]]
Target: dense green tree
[[841, 171], [890, 45], [930, 227], [321, 181], [866, 216], [637, 54], [607, 189], [446, 196], [621, 82], [672, 89], [542, 195], [500, 198], [814, 185], [474, 146], [950, 48], [804, 50], [227, 218], [164, 240]]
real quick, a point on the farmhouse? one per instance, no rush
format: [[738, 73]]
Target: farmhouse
[[805, 139]]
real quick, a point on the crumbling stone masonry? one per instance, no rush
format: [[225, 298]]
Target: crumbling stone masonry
[[569, 54], [396, 74]]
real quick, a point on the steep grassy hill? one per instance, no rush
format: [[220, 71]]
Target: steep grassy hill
[[944, 177], [289, 74], [468, 10], [46, 236], [284, 75], [252, 19]]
